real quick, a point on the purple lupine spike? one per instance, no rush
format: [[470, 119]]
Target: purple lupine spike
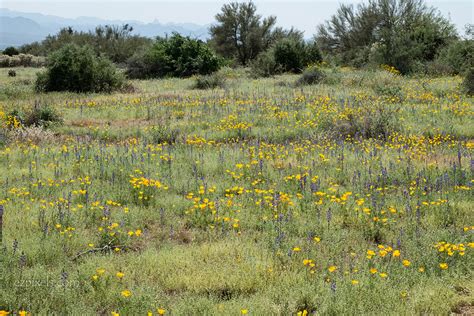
[[22, 260], [329, 216], [64, 278], [106, 211], [15, 245], [459, 156], [313, 187]]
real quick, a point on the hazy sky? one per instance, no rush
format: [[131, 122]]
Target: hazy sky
[[302, 14]]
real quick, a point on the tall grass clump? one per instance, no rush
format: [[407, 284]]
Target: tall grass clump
[[213, 81]]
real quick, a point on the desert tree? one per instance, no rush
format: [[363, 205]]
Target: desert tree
[[241, 33], [395, 32]]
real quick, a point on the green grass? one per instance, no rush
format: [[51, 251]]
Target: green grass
[[260, 197]]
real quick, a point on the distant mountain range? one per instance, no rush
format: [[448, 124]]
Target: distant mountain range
[[18, 28]]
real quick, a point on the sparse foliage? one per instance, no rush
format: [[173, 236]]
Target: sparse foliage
[[240, 33], [114, 41]]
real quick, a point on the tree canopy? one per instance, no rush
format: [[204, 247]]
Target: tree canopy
[[114, 41], [395, 32], [240, 33]]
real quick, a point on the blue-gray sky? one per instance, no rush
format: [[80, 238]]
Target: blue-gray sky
[[302, 14]]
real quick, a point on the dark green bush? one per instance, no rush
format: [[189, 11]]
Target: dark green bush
[[468, 83], [399, 33], [78, 69], [290, 54], [11, 51], [293, 55], [313, 53], [106, 76], [42, 81], [212, 81], [139, 65], [264, 65], [310, 76], [176, 56], [458, 56]]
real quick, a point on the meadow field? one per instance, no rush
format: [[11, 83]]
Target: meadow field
[[349, 197]]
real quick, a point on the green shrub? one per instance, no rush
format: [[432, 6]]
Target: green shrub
[[312, 53], [391, 91], [37, 116], [293, 55], [212, 81], [290, 55], [176, 56], [138, 66], [468, 83], [458, 56], [333, 76], [435, 68], [264, 65], [378, 123], [11, 51], [42, 81], [310, 76], [287, 55], [107, 78], [78, 69], [163, 134], [393, 32], [42, 115]]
